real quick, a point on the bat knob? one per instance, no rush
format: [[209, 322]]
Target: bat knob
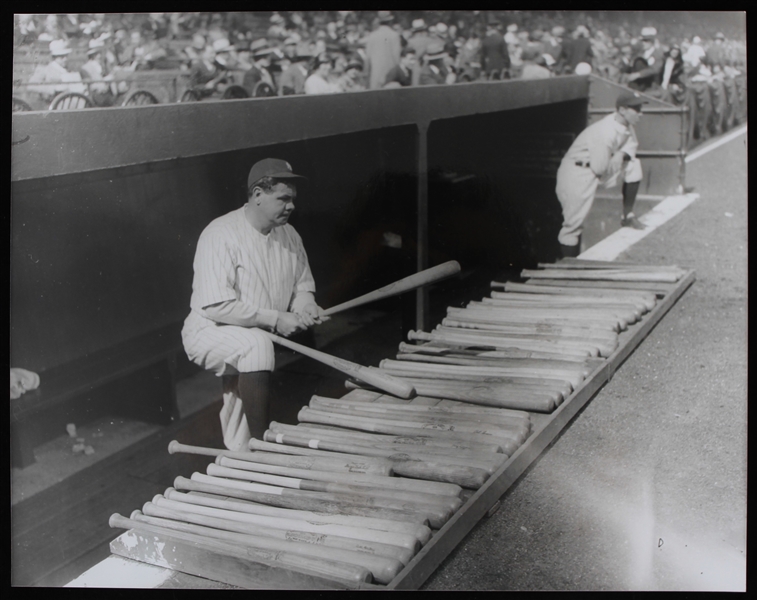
[[168, 492], [157, 497], [173, 447], [411, 335], [135, 513]]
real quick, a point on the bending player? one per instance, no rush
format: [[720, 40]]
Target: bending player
[[600, 154], [251, 272]]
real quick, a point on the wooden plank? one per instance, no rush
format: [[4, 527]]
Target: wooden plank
[[461, 523]]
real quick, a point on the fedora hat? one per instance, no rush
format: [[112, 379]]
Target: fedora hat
[[59, 48], [385, 16]]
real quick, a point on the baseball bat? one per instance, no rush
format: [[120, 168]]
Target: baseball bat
[[288, 481], [369, 440], [606, 336], [435, 515], [568, 300], [168, 509], [439, 349], [602, 275], [645, 287], [316, 505], [337, 439], [369, 375], [485, 395], [648, 299], [541, 315], [503, 437], [580, 263], [627, 314], [404, 540], [335, 465], [421, 532], [400, 286], [405, 464], [388, 483], [359, 461], [521, 416], [560, 365], [516, 424], [383, 569], [309, 415], [350, 575]]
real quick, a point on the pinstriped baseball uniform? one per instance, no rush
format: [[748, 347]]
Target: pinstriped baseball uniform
[[234, 261], [577, 184]]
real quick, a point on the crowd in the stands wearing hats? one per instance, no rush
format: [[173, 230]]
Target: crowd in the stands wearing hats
[[316, 52]]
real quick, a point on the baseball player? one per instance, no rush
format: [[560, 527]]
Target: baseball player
[[251, 273], [602, 153]]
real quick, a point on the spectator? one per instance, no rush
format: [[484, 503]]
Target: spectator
[[534, 65], [193, 52], [434, 71], [469, 58], [553, 43], [54, 78], [575, 51], [673, 77], [317, 82], [293, 79], [351, 80], [647, 70], [418, 41], [382, 49], [206, 74], [93, 71], [716, 53], [224, 54], [402, 74], [694, 53], [261, 56], [511, 35], [495, 58]]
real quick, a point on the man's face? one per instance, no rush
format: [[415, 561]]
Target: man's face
[[409, 61], [276, 206], [631, 115], [647, 44]]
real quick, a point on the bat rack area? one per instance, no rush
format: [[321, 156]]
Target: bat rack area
[[545, 427]]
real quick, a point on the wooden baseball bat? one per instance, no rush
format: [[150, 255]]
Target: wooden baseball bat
[[602, 275], [312, 485], [421, 532], [516, 424], [405, 464], [484, 412], [485, 395], [436, 516], [335, 465], [581, 263], [502, 435], [309, 415], [349, 575], [627, 314], [388, 483], [176, 512], [359, 461], [317, 505], [568, 300], [657, 288], [339, 438], [573, 377], [542, 319], [368, 440], [383, 569], [649, 300], [439, 349], [402, 540], [561, 365], [397, 441], [400, 286], [606, 337], [369, 375]]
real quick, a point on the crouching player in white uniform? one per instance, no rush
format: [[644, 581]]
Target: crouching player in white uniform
[[251, 273], [600, 154]]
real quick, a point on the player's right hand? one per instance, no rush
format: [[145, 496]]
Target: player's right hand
[[288, 324]]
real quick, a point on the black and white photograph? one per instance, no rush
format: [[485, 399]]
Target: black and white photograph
[[428, 300]]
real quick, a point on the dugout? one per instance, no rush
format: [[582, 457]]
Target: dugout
[[107, 206]]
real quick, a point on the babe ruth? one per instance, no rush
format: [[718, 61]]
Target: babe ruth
[[251, 273], [601, 153]]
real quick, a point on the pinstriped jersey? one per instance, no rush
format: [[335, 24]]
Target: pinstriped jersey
[[234, 261]]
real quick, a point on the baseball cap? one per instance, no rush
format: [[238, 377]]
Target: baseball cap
[[271, 167], [630, 99]]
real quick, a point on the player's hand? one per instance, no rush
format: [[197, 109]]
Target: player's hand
[[288, 324], [312, 314]]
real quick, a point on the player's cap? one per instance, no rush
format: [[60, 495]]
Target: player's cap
[[719, 36], [419, 25], [271, 167], [630, 99]]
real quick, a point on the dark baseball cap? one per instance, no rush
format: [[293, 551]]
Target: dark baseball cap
[[630, 99], [271, 167]]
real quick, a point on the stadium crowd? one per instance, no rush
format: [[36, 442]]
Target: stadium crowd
[[318, 52]]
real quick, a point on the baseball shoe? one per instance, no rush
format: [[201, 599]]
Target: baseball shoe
[[630, 220]]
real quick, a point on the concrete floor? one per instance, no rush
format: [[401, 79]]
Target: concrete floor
[[646, 489]]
